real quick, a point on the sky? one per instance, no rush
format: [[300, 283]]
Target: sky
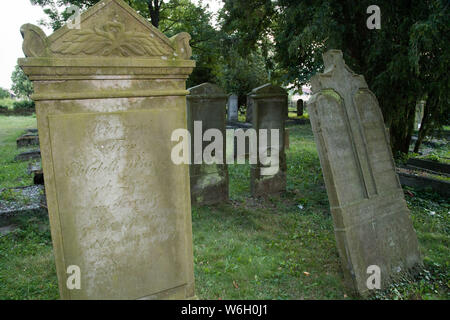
[[15, 13]]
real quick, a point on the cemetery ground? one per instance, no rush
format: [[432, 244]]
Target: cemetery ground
[[281, 247]]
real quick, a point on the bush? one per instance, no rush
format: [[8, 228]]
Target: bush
[[23, 106], [3, 109], [4, 93]]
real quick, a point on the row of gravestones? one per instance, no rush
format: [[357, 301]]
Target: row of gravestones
[[233, 106], [119, 207], [206, 105]]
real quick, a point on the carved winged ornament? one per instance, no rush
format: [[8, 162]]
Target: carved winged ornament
[[111, 39]]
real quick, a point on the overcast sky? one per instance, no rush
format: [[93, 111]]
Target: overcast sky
[[15, 13]]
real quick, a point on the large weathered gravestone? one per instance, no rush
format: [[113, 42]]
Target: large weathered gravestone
[[269, 104], [233, 108], [371, 220], [108, 97], [206, 105]]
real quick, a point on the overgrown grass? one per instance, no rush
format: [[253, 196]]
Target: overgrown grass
[[281, 247]]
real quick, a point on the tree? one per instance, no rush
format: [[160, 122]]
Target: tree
[[153, 10], [22, 86], [240, 75], [430, 55], [303, 30], [4, 93], [171, 17]]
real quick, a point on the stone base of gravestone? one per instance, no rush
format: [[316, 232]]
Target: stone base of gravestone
[[266, 185]]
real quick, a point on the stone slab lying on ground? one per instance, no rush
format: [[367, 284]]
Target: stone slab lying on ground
[[29, 198], [28, 139], [236, 124], [430, 165], [28, 155], [422, 182], [297, 121], [373, 227]]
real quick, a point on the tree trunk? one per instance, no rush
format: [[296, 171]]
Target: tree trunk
[[423, 131], [401, 132], [154, 7]]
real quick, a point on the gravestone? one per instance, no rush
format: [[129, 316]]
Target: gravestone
[[108, 97], [28, 139], [299, 107], [249, 109], [286, 139], [233, 108], [250, 103], [269, 104], [28, 155], [209, 182], [371, 220], [418, 116]]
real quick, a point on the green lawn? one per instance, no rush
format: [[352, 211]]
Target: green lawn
[[13, 174], [282, 247]]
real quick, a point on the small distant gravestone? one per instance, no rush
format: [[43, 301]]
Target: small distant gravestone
[[108, 98], [372, 223], [269, 104], [35, 169], [299, 107], [233, 108], [249, 109], [418, 116], [206, 105]]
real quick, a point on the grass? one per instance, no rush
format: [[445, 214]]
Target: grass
[[281, 247], [13, 173]]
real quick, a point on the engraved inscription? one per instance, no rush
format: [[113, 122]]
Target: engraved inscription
[[116, 214]]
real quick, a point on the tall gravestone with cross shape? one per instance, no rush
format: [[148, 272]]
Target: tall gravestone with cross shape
[[206, 111], [108, 97], [269, 104], [371, 220]]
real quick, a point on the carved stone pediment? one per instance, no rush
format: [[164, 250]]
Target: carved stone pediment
[[111, 28]]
